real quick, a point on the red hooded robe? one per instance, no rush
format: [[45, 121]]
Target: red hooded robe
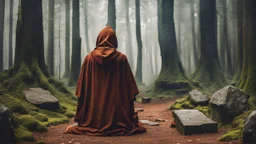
[[106, 90]]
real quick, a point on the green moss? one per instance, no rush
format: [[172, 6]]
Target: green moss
[[204, 109], [13, 103], [183, 103], [22, 133], [231, 135], [40, 142], [41, 117], [31, 123]]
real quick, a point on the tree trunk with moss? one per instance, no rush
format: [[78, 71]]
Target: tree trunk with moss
[[2, 13], [239, 45], [112, 14], [10, 33], [208, 73], [67, 39], [247, 80], [76, 45], [138, 75], [172, 75]]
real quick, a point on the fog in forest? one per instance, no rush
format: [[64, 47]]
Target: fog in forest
[[187, 29]]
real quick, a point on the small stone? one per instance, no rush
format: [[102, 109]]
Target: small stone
[[139, 110], [146, 100], [62, 143], [159, 120], [189, 140], [147, 122], [198, 139], [70, 142]]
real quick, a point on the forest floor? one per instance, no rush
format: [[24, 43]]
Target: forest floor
[[161, 134]]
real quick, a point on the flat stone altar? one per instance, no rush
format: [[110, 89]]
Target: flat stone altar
[[193, 122]]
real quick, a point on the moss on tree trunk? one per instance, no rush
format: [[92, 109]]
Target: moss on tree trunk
[[247, 80], [172, 75], [208, 73]]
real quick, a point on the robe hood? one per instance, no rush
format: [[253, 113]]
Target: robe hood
[[106, 45]]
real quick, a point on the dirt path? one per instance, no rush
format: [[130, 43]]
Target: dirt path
[[161, 134]]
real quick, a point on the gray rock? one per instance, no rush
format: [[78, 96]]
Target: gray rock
[[249, 133], [228, 103], [192, 121], [198, 98], [146, 100], [41, 98], [6, 125], [139, 110]]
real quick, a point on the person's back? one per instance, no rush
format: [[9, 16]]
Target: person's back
[[106, 91]]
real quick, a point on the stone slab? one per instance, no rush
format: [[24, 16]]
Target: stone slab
[[192, 122], [41, 98]]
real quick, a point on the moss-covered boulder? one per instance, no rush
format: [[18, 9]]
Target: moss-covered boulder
[[6, 125], [249, 133], [227, 103]]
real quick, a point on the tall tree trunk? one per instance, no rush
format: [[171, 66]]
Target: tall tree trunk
[[222, 39], [172, 75], [112, 14], [86, 27], [10, 33], [59, 43], [138, 75], [51, 37], [227, 40], [76, 45], [248, 76], [129, 35], [239, 45], [208, 73], [67, 39], [192, 12], [179, 24], [2, 14]]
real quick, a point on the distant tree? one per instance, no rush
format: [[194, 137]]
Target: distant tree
[[239, 42], [112, 14], [192, 12], [86, 26], [10, 33], [67, 39], [51, 37], [129, 34], [2, 14], [172, 75], [208, 73], [138, 75], [76, 45], [247, 80]]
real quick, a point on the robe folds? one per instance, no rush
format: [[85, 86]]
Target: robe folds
[[106, 91]]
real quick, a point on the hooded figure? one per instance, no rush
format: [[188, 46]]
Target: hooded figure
[[106, 91]]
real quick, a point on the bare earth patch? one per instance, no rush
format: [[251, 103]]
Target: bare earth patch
[[161, 134]]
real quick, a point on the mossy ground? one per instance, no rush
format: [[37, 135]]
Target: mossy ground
[[29, 117], [184, 103]]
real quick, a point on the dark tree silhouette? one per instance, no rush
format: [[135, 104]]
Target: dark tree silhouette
[[67, 39], [50, 60], [247, 80], [76, 45], [172, 75], [112, 14], [208, 73], [138, 75], [10, 33], [2, 13]]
